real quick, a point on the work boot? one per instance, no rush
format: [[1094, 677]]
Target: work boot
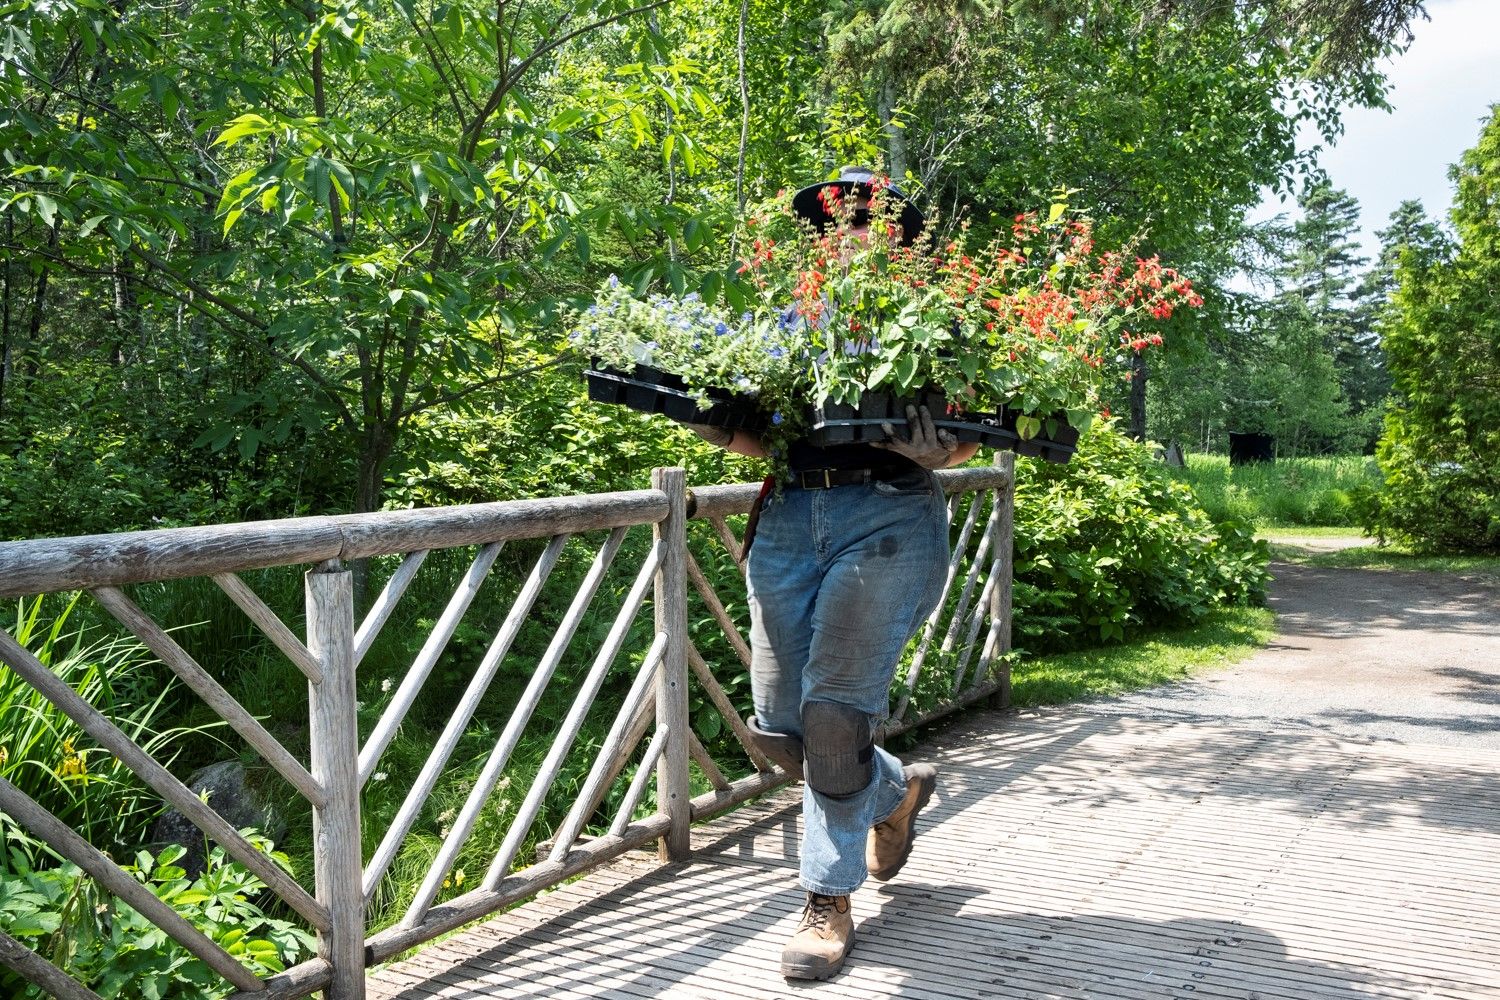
[[822, 940], [890, 840]]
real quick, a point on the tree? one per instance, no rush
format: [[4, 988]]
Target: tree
[[1440, 451], [352, 193]]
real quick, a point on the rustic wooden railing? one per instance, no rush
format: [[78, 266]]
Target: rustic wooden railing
[[976, 600]]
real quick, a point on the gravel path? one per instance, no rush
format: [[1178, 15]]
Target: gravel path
[[1362, 655]]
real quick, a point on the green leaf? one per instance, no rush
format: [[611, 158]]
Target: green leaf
[[45, 206], [581, 238], [1058, 208], [344, 179], [906, 369], [241, 127], [1028, 427], [420, 184], [879, 375]]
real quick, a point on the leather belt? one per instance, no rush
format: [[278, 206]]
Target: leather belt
[[824, 479]]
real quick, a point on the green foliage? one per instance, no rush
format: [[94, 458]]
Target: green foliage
[[1152, 656], [1109, 543], [46, 755], [1288, 491], [1441, 448], [109, 947]]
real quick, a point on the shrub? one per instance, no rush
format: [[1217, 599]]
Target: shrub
[[1441, 448], [112, 949], [1109, 543]]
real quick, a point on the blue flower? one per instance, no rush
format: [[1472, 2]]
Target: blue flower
[[651, 345], [593, 310], [777, 352], [614, 281], [742, 382], [776, 417], [691, 297], [745, 316], [575, 336], [721, 328]]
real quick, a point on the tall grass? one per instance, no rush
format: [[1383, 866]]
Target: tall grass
[[1286, 493], [46, 755]]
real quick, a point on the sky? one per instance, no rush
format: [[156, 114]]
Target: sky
[[1441, 88]]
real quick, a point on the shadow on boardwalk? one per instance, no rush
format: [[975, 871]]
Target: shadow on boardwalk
[[1320, 821], [1069, 854]]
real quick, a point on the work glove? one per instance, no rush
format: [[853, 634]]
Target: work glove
[[924, 444]]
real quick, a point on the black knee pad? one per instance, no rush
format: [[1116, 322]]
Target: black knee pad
[[782, 749], [838, 747]]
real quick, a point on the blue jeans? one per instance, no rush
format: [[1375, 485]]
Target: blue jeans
[[839, 581]]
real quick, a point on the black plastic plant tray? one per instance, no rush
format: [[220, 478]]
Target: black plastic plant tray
[[843, 423], [651, 391]]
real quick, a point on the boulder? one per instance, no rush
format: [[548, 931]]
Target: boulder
[[231, 795]]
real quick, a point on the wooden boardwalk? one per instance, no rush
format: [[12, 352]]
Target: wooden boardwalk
[[1069, 853]]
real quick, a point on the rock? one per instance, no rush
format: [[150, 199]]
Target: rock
[[232, 797], [1173, 455]]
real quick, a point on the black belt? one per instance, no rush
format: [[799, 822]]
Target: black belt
[[823, 479]]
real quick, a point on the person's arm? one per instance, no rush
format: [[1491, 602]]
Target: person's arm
[[741, 442]]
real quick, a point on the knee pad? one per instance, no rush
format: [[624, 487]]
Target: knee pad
[[839, 749], [783, 750]]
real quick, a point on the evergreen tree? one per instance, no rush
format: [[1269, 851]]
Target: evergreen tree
[[1323, 275], [1441, 447]]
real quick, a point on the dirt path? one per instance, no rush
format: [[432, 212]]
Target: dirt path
[[1360, 654]]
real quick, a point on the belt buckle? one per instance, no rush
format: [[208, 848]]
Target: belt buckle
[[827, 482]]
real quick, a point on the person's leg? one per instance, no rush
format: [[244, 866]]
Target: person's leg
[[782, 578], [890, 545]]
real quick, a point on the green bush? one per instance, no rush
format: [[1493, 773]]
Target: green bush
[[1441, 447], [1109, 543], [112, 949]]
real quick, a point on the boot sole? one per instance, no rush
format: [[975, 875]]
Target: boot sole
[[924, 794], [815, 968]]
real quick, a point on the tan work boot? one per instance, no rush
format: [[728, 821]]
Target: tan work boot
[[823, 939], [890, 841]]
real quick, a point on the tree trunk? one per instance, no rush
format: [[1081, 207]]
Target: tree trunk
[[5, 362], [1138, 396], [895, 135], [376, 445]]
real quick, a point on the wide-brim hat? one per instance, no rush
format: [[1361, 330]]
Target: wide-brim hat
[[809, 206]]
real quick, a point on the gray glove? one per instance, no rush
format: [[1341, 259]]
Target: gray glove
[[926, 445]]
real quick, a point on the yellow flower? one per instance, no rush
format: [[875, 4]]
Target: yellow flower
[[72, 765]]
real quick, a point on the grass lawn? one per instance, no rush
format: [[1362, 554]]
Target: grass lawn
[[1274, 535], [1224, 636]]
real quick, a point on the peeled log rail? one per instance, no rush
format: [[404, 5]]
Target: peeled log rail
[[46, 565]]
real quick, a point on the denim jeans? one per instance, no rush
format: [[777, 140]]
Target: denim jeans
[[839, 581]]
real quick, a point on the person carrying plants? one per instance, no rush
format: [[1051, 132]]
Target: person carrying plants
[[846, 563]]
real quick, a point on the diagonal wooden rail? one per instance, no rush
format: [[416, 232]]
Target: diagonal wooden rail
[[684, 572]]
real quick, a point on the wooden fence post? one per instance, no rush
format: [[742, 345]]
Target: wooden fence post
[[673, 792], [334, 734], [1000, 595]]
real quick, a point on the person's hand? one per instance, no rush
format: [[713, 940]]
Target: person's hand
[[925, 444]]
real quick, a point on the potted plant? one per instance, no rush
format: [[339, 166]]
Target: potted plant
[[682, 359]]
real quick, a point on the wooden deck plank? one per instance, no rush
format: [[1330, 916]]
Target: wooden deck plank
[[1068, 853]]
